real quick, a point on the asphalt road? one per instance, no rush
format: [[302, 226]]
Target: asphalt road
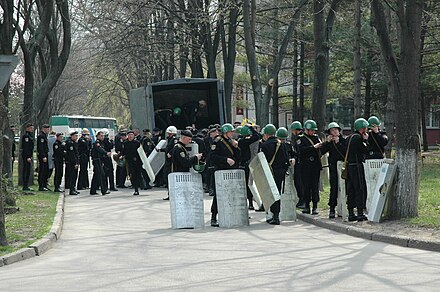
[[120, 242]]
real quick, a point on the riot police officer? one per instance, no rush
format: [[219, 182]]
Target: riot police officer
[[84, 158], [180, 159], [377, 139], [58, 156], [43, 158], [72, 163], [132, 158], [109, 170], [310, 160], [277, 155], [335, 146], [248, 136], [98, 155], [171, 132], [121, 170], [225, 154], [27, 151], [357, 148], [296, 131]]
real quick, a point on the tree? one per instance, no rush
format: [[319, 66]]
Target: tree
[[404, 76], [322, 30]]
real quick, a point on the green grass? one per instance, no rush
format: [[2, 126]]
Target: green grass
[[429, 194], [32, 222]]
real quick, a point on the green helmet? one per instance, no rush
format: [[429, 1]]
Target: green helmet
[[296, 125], [310, 125], [238, 129], [177, 111], [360, 124], [373, 120], [200, 166], [333, 125], [227, 128], [282, 133], [269, 129], [246, 131]]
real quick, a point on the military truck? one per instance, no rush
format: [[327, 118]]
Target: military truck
[[182, 102]]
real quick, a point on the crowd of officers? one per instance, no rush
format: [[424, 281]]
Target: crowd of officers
[[229, 147], [220, 147]]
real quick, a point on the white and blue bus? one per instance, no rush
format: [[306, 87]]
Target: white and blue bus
[[67, 124]]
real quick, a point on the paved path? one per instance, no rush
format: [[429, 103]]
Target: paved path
[[124, 243]]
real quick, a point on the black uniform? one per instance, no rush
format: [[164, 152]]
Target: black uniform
[[84, 158], [180, 160], [58, 156], [336, 153], [171, 141], [209, 172], [310, 161], [277, 155], [134, 162], [376, 145], [27, 150], [148, 146], [72, 163], [356, 186], [297, 168], [121, 171], [43, 166], [108, 164], [244, 145], [98, 179], [221, 150]]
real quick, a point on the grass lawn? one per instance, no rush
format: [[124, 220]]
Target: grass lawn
[[429, 194], [32, 222]]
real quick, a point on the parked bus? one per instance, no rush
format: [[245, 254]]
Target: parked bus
[[67, 124]]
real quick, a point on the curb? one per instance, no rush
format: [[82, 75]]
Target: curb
[[41, 246], [381, 236]]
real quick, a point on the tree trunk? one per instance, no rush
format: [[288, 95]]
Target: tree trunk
[[405, 80], [295, 78], [301, 81], [322, 29], [357, 97], [249, 14], [3, 113]]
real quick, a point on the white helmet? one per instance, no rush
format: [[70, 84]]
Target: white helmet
[[105, 131], [171, 130]]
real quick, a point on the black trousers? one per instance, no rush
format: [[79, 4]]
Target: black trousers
[[83, 178], [135, 175], [98, 179], [298, 183], [109, 173], [248, 190], [310, 173], [59, 164], [26, 172], [214, 208], [71, 176], [121, 175], [166, 172], [356, 187], [43, 172], [279, 176]]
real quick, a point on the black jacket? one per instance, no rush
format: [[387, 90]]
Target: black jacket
[[376, 145], [308, 155], [280, 157], [245, 142], [72, 156], [221, 150], [42, 147], [357, 148], [181, 162], [336, 150], [130, 152], [27, 145]]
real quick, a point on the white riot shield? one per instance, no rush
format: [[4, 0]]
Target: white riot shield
[[264, 181], [157, 159], [146, 165], [230, 190], [382, 191], [289, 198], [342, 194], [254, 191], [186, 200], [193, 149], [372, 170]]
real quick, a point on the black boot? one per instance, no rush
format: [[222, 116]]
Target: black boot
[[214, 222], [275, 220], [332, 213], [360, 215], [306, 209], [351, 216]]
